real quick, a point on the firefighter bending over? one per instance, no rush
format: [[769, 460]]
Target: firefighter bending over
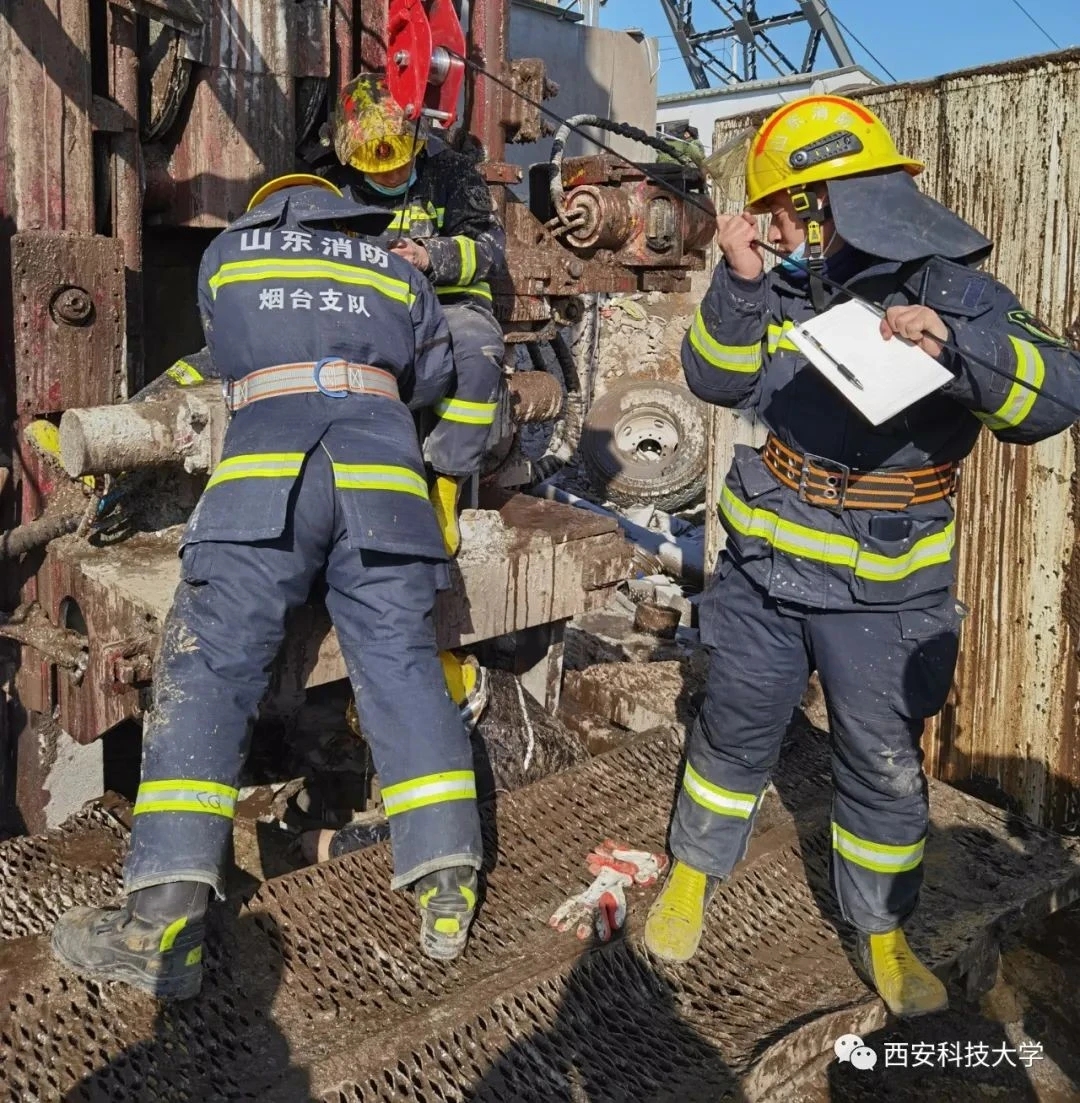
[[327, 342], [840, 535], [444, 224]]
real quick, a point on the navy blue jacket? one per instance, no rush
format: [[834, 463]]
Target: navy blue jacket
[[284, 284], [736, 354]]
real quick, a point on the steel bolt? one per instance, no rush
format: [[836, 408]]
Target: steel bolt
[[134, 670], [401, 58], [72, 306]]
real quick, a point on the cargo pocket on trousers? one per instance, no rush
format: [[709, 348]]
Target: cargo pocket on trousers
[[932, 644], [195, 563]]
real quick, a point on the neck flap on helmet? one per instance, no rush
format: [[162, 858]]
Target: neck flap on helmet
[[884, 214]]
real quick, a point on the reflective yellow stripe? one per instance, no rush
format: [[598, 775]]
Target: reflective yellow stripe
[[1031, 369], [257, 465], [309, 268], [835, 548], [777, 340], [467, 249], [724, 802], [168, 936], [879, 857], [185, 795], [184, 374], [379, 476], [481, 289], [737, 358], [419, 792], [403, 220], [466, 892], [470, 413]]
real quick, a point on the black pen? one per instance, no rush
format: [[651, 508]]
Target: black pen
[[846, 373]]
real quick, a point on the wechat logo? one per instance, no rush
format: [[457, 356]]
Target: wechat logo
[[850, 1048]]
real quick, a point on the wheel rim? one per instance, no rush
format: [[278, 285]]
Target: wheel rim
[[646, 436]]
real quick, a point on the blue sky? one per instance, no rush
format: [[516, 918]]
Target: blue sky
[[910, 38]]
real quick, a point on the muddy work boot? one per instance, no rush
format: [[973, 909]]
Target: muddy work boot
[[902, 981], [674, 925], [447, 900], [154, 941]]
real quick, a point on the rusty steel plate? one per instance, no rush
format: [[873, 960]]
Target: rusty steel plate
[[315, 989]]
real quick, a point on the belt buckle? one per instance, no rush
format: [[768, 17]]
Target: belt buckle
[[836, 480], [227, 387], [317, 371]]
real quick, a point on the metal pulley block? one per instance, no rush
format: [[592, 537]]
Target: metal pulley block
[[424, 70]]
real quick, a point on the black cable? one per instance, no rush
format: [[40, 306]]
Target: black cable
[[1053, 41], [944, 342], [653, 178], [688, 198], [412, 174], [865, 49]]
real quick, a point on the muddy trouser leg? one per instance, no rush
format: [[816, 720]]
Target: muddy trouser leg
[[883, 674], [757, 674], [382, 608], [456, 445], [220, 639]]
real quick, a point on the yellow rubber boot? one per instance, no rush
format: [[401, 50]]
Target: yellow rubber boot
[[902, 981], [673, 928], [444, 497], [460, 674], [467, 684]]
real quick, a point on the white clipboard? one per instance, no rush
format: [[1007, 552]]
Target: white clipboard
[[845, 342]]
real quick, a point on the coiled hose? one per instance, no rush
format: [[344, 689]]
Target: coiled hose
[[624, 130]]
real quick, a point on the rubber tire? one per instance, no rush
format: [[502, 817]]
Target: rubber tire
[[676, 477]]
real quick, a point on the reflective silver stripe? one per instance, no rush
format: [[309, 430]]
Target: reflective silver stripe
[[834, 548], [734, 358], [878, 857], [379, 476], [778, 337], [285, 379], [1029, 368], [481, 289], [257, 465], [468, 413], [724, 802], [184, 795], [431, 789], [309, 268]]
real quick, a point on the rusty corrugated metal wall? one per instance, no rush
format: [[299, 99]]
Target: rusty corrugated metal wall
[[1002, 148]]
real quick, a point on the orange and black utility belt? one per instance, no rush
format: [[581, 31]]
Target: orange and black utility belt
[[824, 482]]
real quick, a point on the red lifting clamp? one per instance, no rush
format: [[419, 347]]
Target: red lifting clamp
[[423, 71]]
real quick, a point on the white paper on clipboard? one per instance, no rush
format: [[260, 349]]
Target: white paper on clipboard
[[894, 374]]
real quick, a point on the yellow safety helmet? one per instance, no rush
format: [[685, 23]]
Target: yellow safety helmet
[[818, 138], [370, 130], [291, 180]]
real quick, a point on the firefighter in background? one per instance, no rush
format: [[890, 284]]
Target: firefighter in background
[[685, 140], [840, 534], [327, 343], [444, 224]]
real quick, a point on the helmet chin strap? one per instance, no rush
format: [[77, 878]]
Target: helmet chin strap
[[813, 211]]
